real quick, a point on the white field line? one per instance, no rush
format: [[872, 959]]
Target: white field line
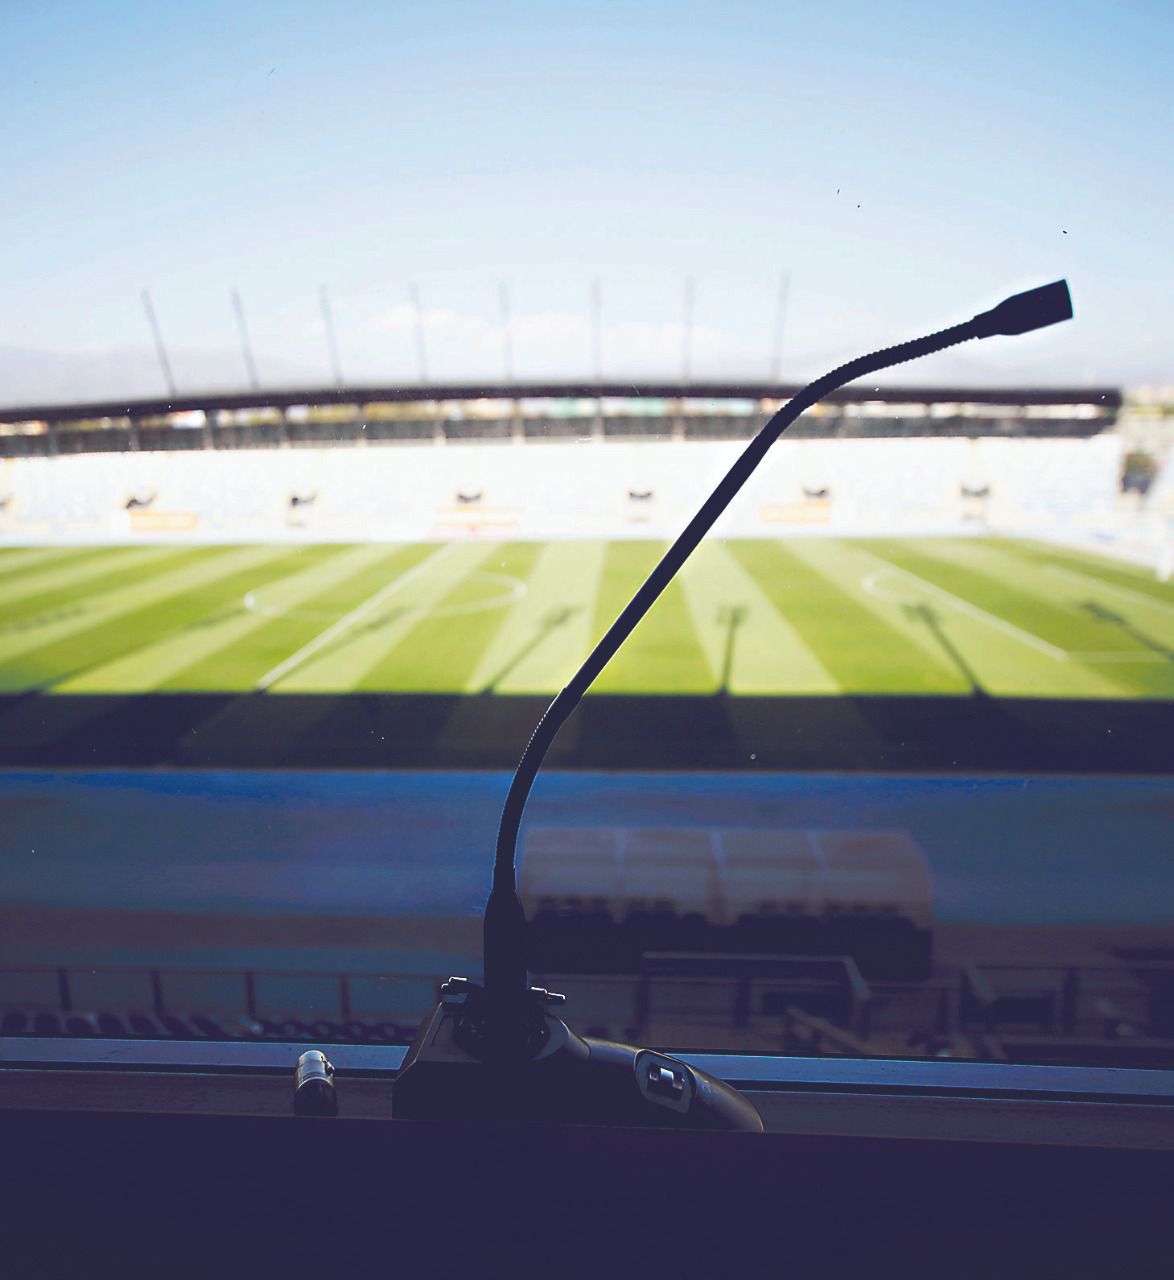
[[1139, 596], [347, 620], [871, 584], [514, 590], [1091, 655]]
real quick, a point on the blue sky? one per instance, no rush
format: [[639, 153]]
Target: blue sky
[[908, 164]]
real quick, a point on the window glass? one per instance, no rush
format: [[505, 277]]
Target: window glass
[[357, 364]]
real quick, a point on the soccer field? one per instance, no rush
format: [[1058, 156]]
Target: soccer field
[[805, 616], [860, 654]]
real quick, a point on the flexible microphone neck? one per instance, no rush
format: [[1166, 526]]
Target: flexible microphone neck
[[505, 922]]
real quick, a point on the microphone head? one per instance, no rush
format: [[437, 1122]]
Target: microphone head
[[1023, 312]]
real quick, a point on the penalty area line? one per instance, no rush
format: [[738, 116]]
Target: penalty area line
[[873, 587], [348, 620]]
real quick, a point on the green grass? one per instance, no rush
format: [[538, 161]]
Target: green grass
[[860, 616]]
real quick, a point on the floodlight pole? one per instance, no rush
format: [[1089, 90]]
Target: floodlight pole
[[160, 349], [686, 354], [507, 344], [331, 342], [507, 357], [776, 367], [421, 353], [687, 341], [243, 333], [597, 351], [597, 330]]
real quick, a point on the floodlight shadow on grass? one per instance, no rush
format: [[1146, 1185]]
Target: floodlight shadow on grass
[[929, 618], [549, 623], [1134, 632], [731, 617]]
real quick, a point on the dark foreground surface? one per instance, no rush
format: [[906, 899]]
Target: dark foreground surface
[[196, 1191]]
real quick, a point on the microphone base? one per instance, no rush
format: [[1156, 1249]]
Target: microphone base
[[568, 1079]]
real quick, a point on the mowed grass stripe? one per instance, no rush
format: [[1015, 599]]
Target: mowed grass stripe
[[1119, 613], [741, 628], [17, 561], [849, 568], [1137, 625], [993, 587], [1150, 606], [1041, 589], [136, 616], [820, 596], [24, 559], [1000, 654], [664, 653], [164, 663], [76, 615], [66, 585], [344, 665], [441, 651], [305, 605], [1137, 578], [973, 575], [548, 633]]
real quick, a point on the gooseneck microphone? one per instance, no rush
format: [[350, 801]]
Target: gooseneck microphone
[[482, 1051]]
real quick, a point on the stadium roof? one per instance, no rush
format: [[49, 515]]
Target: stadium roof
[[1109, 398]]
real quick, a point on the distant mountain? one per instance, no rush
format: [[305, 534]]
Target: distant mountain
[[29, 376]]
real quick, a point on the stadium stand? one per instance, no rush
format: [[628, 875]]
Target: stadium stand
[[570, 489], [859, 894], [1107, 1010], [612, 463]]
